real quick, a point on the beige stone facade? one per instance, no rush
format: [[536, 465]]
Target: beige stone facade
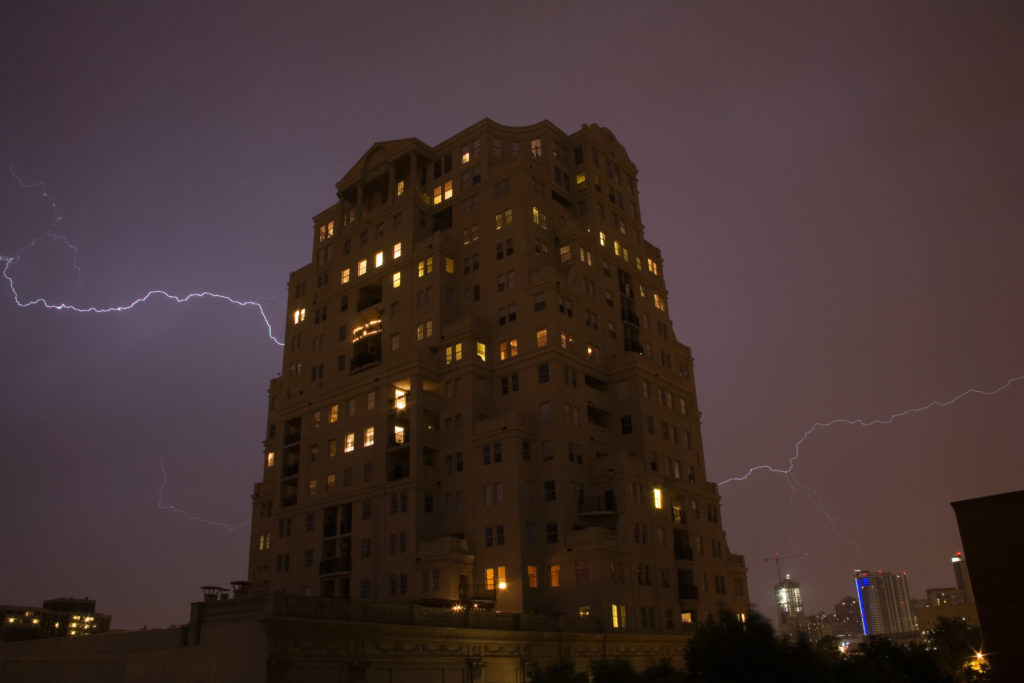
[[482, 401]]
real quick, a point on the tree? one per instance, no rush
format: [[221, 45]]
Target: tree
[[955, 644], [613, 671], [562, 671]]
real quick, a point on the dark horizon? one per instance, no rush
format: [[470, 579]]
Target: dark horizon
[[835, 193]]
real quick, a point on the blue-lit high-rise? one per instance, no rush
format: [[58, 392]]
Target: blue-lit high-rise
[[884, 602]]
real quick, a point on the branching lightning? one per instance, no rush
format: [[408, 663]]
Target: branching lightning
[[39, 185], [170, 508], [860, 422]]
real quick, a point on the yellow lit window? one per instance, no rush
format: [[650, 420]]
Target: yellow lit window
[[299, 315], [503, 219], [489, 578], [657, 499], [396, 251], [502, 584], [531, 575], [350, 443], [625, 254], [270, 458], [396, 279], [481, 351], [453, 353], [449, 265], [686, 617], [399, 399], [618, 616], [601, 237], [617, 247], [565, 253], [332, 448], [539, 218], [438, 190], [465, 154], [346, 275], [368, 437], [639, 266], [312, 487], [400, 188], [425, 267], [554, 574], [448, 190], [378, 259], [399, 435], [542, 337], [330, 482], [361, 267], [581, 179], [332, 415]]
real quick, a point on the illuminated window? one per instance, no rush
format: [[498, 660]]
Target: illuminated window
[[481, 351], [686, 617], [616, 247], [332, 448], [584, 611], [601, 238], [447, 191], [657, 499], [425, 267], [554, 572], [399, 435], [489, 578], [539, 217], [565, 253], [299, 315], [509, 349], [531, 575], [449, 265], [361, 267], [332, 414], [346, 275], [581, 179], [330, 482], [265, 541], [350, 442], [438, 193], [535, 148], [465, 153], [503, 219], [400, 188], [502, 584], [453, 353], [659, 302], [618, 616], [396, 251], [396, 279], [270, 458], [542, 337], [424, 330], [378, 259], [312, 487], [368, 437]]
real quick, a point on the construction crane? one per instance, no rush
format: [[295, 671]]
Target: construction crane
[[778, 559]]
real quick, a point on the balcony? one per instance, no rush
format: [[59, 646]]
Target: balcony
[[290, 469], [597, 505], [688, 592], [630, 317], [684, 552], [335, 565]]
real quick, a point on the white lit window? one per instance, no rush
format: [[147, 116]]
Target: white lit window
[[368, 437], [396, 251], [350, 443], [657, 499], [299, 315], [378, 259], [270, 458], [601, 238], [396, 279]]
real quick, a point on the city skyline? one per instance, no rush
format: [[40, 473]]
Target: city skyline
[[836, 211]]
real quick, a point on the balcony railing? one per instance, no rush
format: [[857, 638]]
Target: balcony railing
[[597, 505], [684, 552], [335, 565], [688, 592]]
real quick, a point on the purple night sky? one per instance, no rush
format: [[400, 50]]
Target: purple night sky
[[837, 190]]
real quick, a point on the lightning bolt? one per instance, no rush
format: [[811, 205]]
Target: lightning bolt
[[40, 185], [8, 261], [860, 422], [170, 508]]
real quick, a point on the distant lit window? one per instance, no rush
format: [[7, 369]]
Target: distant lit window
[[361, 267], [531, 576], [425, 267], [542, 337], [368, 437], [449, 265], [299, 315], [332, 414], [554, 575], [657, 499], [378, 259], [481, 351], [350, 443], [601, 238], [346, 275], [396, 250], [400, 188], [270, 458], [581, 179]]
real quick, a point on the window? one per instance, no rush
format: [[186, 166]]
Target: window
[[396, 279], [508, 349], [312, 487], [481, 351], [539, 217], [543, 373], [449, 265], [626, 424], [544, 409], [551, 532], [424, 330], [270, 459], [453, 353], [657, 499], [361, 267], [425, 267], [368, 437], [554, 572], [535, 148], [582, 571], [503, 219], [549, 490], [531, 575], [332, 448], [618, 616], [350, 443], [542, 337], [299, 315], [470, 234]]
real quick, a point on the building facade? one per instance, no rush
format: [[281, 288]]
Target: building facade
[[482, 401], [789, 603], [884, 603]]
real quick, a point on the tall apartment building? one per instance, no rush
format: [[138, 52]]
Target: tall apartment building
[[884, 602], [789, 603], [482, 400]]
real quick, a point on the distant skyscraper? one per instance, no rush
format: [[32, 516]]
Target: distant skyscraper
[[884, 602], [790, 605], [847, 617]]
